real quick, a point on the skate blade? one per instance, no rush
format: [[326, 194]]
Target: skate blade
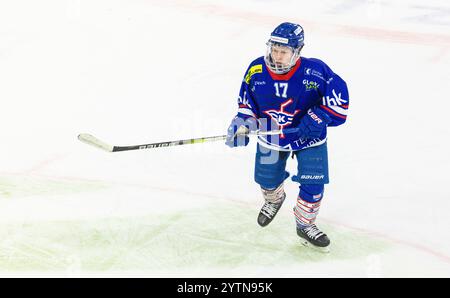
[[313, 247]]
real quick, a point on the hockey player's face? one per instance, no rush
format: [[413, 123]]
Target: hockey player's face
[[281, 55]]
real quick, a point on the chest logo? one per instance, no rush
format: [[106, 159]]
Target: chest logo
[[282, 117]]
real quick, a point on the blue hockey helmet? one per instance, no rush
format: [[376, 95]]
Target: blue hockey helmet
[[287, 35]]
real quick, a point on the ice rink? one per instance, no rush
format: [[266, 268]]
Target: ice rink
[[142, 71]]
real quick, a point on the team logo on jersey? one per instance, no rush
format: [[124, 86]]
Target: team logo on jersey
[[281, 117], [254, 69], [310, 85]]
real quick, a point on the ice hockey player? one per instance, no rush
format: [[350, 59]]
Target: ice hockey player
[[302, 97]]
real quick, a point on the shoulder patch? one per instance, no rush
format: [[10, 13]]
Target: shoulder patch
[[254, 69]]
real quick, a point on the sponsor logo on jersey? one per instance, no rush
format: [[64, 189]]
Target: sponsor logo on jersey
[[310, 85], [308, 142], [260, 82], [244, 100], [334, 100], [318, 74], [254, 69]]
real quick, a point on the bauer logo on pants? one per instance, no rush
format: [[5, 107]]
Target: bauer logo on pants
[[312, 177]]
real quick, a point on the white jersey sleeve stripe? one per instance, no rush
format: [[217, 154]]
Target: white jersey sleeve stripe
[[246, 112], [338, 109]]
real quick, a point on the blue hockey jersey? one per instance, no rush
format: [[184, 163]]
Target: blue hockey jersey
[[282, 100]]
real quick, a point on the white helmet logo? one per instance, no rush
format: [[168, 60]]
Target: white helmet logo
[[279, 39]]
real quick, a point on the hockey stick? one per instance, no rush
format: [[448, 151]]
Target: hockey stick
[[93, 141]]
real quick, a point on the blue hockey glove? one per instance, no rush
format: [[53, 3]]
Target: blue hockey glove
[[313, 123], [244, 126]]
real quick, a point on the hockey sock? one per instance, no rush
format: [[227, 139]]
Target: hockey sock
[[308, 204], [274, 196]]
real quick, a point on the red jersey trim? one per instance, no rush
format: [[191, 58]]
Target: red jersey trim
[[286, 76], [333, 112]]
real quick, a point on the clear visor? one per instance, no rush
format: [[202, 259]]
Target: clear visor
[[279, 58]]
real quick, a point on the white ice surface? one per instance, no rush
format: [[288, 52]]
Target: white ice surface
[[140, 71]]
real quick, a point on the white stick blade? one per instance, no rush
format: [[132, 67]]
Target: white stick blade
[[93, 141]]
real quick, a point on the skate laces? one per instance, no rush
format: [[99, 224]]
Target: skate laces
[[313, 232], [269, 209]]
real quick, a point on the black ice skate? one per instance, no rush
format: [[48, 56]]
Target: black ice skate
[[313, 237], [268, 212], [274, 199]]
